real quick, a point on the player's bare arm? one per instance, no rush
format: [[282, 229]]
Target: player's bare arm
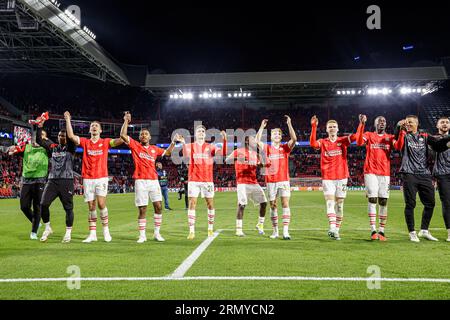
[[169, 150], [223, 150], [312, 139], [116, 142], [261, 130], [70, 135], [360, 133], [230, 159], [292, 134], [124, 129]]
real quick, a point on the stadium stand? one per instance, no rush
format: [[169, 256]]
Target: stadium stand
[[90, 100], [434, 108]]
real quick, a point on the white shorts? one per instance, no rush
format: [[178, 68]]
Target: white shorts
[[337, 188], [205, 189], [145, 189], [253, 192], [281, 189], [377, 186], [95, 187]]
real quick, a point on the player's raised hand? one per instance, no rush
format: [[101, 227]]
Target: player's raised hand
[[314, 121], [264, 123], [362, 118], [41, 123], [402, 124], [288, 120], [178, 138], [127, 117], [223, 134], [11, 150], [67, 116]]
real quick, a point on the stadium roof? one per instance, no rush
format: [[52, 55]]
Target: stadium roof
[[284, 84], [36, 36]]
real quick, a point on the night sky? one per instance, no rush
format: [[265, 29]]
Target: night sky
[[183, 38]]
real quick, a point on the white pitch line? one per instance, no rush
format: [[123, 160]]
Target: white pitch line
[[228, 278], [187, 264], [297, 278], [85, 279]]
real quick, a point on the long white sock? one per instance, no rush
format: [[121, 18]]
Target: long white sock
[[339, 215], [142, 225], [383, 217], [274, 217], [105, 219], [331, 213], [448, 231], [158, 221], [211, 216], [261, 220], [372, 212], [238, 224], [286, 220], [92, 222], [47, 226], [68, 231], [191, 220]]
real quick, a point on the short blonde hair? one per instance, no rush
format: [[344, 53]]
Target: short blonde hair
[[200, 126], [331, 121]]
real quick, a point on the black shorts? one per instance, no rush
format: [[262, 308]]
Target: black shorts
[[62, 188], [31, 195]]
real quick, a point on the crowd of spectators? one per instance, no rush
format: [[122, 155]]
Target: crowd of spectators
[[223, 116], [10, 173]]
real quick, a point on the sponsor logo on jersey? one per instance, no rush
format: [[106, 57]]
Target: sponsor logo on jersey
[[276, 156], [201, 156], [416, 145], [60, 154], [146, 156], [95, 152], [333, 153], [380, 146]]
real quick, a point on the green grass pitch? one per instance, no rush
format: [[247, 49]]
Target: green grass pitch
[[310, 253]]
